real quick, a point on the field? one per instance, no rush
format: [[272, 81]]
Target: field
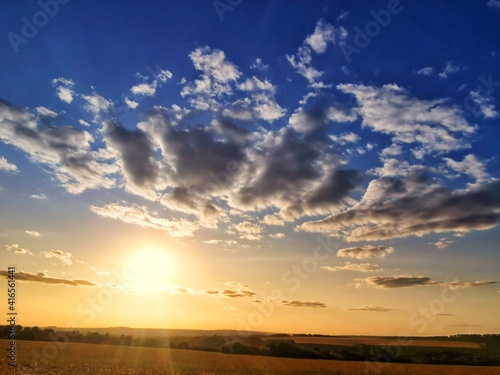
[[108, 359], [380, 341]]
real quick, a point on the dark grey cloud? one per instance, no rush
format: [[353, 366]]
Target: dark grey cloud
[[389, 282], [201, 159], [313, 305], [136, 152], [41, 277], [405, 206]]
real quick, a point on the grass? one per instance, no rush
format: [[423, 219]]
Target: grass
[[92, 359]]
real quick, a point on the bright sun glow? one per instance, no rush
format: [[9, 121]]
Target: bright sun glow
[[149, 271]]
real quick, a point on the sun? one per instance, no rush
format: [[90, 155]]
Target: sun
[[149, 270]]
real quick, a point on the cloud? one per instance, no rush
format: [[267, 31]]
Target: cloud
[[66, 151], [237, 290], [430, 126], [42, 278], [451, 68], [343, 139], [18, 249], [485, 103], [314, 305], [324, 33], [371, 308], [259, 65], [470, 166], [6, 166], [443, 243], [403, 206], [249, 231], [365, 252], [38, 196], [97, 104], [214, 81], [427, 71], [42, 111], [131, 104], [83, 122], [144, 89], [277, 235], [237, 293], [494, 4], [140, 215], [403, 281], [59, 254], [363, 267], [32, 233], [64, 91], [136, 153]]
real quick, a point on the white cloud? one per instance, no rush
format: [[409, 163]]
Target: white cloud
[[277, 235], [431, 126], [65, 94], [18, 249], [259, 65], [83, 122], [32, 233], [42, 111], [145, 89], [345, 138], [324, 33], [215, 80], [97, 103], [485, 104], [249, 231], [59, 254], [443, 243], [6, 166], [140, 215], [164, 75], [65, 151], [427, 71], [130, 103], [451, 68], [362, 267], [38, 196], [470, 166]]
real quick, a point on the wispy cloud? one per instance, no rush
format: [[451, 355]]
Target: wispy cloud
[[15, 248], [64, 257], [42, 278], [314, 305], [371, 308]]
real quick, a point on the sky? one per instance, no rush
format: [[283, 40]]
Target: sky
[[274, 166]]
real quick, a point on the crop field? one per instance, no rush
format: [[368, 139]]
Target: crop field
[[379, 341], [107, 359]]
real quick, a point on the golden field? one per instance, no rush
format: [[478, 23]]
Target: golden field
[[108, 359]]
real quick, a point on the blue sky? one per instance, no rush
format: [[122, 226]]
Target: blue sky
[[225, 140]]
